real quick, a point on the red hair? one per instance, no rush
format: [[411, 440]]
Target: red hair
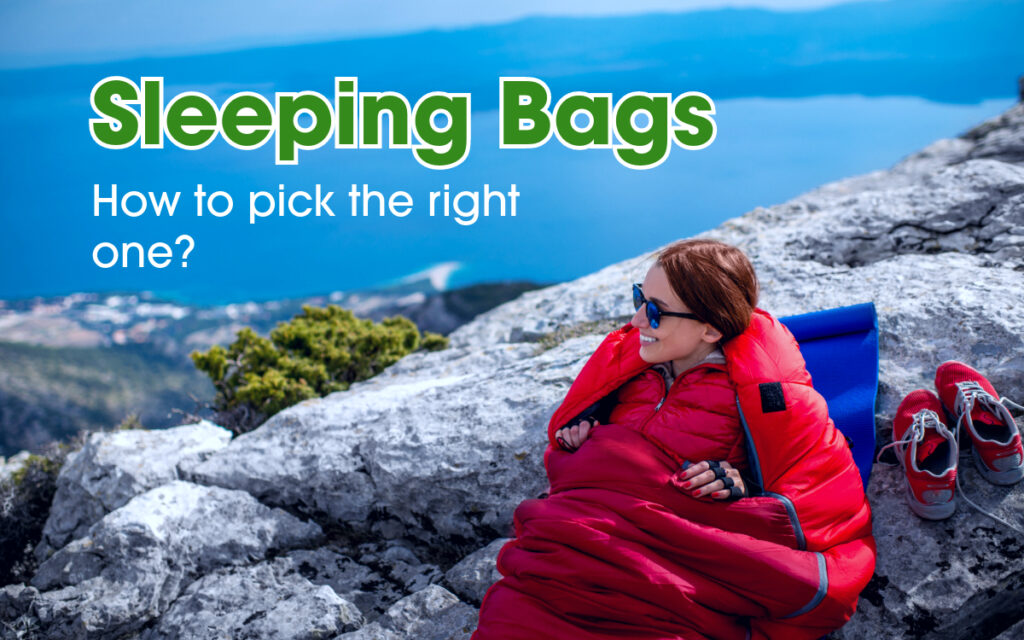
[[714, 280]]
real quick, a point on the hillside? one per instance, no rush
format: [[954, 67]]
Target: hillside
[[87, 360]]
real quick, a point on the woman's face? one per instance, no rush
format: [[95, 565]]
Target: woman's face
[[681, 340]]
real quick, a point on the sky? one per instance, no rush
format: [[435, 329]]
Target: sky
[[52, 32]]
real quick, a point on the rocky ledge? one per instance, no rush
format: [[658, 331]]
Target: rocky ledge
[[377, 512]]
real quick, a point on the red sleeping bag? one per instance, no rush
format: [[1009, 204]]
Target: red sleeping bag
[[618, 551]]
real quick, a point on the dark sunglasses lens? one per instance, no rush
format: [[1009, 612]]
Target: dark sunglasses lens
[[638, 298], [653, 315]]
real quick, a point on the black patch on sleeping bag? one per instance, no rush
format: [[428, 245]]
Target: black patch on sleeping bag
[[771, 397]]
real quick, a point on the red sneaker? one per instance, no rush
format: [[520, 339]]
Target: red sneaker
[[928, 453], [972, 401]]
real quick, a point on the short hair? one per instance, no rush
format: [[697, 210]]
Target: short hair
[[715, 280]]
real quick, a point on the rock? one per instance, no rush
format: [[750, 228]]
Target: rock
[[1016, 632], [956, 578], [354, 582], [256, 602], [595, 297], [431, 614], [975, 209], [16, 627], [135, 561], [404, 568], [1000, 138], [15, 600], [114, 467], [473, 575], [98, 608], [440, 452]]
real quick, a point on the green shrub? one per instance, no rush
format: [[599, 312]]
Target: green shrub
[[25, 500], [433, 342], [316, 353]]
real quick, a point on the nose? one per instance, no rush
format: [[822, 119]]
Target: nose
[[640, 318]]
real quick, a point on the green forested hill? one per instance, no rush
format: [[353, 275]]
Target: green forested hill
[[50, 393]]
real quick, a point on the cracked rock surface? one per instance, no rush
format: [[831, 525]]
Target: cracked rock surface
[[431, 614], [355, 509], [473, 575], [134, 563], [114, 467], [256, 602]]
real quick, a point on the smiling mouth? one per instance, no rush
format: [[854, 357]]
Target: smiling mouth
[[646, 340]]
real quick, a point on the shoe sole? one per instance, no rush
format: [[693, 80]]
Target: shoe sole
[[1011, 476], [939, 511]]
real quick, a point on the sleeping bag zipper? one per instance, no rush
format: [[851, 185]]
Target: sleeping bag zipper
[[663, 374]]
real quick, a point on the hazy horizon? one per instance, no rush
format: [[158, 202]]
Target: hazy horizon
[[89, 32]]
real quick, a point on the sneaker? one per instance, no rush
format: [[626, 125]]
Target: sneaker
[[928, 453], [972, 401]]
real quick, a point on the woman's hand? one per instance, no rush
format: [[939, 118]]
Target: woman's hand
[[571, 437], [720, 480]]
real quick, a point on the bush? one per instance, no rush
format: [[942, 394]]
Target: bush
[[318, 352], [25, 500]]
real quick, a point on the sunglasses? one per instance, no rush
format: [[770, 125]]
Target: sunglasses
[[653, 312]]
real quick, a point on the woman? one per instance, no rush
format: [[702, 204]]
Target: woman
[[650, 530], [684, 347]]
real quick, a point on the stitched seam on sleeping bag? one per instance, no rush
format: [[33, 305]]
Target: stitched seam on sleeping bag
[[822, 589]]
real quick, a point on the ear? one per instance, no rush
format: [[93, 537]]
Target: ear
[[711, 334]]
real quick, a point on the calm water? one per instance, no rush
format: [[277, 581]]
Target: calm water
[[577, 212]]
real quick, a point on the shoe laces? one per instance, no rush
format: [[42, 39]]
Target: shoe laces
[[969, 392], [923, 420], [926, 418], [1006, 401]]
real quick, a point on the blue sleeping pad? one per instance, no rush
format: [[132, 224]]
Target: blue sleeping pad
[[840, 347]]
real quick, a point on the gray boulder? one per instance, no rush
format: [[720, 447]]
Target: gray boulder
[[246, 603], [136, 561], [958, 578], [403, 568], [443, 446], [114, 467], [371, 592], [472, 576], [15, 601], [431, 614]]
